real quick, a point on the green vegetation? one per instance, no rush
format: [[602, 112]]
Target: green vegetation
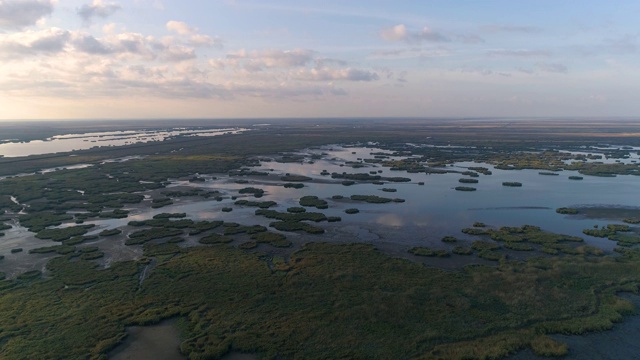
[[293, 186], [16, 250], [292, 217], [575, 178], [202, 226], [296, 209], [260, 204], [461, 250], [170, 216], [142, 236], [295, 178], [352, 211], [226, 209], [251, 190], [92, 255], [567, 211], [38, 221], [471, 317], [449, 239], [63, 233], [371, 199], [271, 238], [232, 230], [423, 251], [481, 245], [490, 255], [161, 202], [215, 239], [468, 181], [313, 201], [389, 190], [296, 226], [607, 231], [465, 188], [58, 249], [512, 184], [110, 232], [340, 301], [548, 173], [518, 246]]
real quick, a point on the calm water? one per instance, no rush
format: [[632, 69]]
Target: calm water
[[71, 142], [430, 212]]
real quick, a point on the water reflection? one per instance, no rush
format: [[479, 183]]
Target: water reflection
[[71, 142]]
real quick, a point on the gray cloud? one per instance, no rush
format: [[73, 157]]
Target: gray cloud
[[259, 60], [469, 39], [90, 45], [98, 8], [49, 41], [326, 74], [511, 28], [519, 53], [401, 33], [552, 67], [178, 53], [625, 44], [542, 67], [15, 14]]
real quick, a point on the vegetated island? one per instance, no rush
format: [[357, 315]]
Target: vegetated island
[[512, 184], [254, 288]]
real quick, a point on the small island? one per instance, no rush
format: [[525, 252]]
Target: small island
[[512, 184], [465, 188]]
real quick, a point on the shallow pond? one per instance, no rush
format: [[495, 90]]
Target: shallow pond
[[71, 142]]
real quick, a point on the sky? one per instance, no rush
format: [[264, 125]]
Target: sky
[[116, 59]]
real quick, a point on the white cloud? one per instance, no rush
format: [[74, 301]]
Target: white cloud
[[258, 60], [524, 53], [326, 74], [16, 14], [30, 43], [401, 33], [180, 27], [395, 33], [511, 28], [552, 67], [98, 8]]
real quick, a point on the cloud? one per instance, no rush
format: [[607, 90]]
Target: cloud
[[552, 67], [180, 27], [194, 38], [17, 45], [179, 53], [90, 45], [326, 74], [395, 33], [272, 58], [625, 44], [519, 53], [511, 28], [401, 33], [16, 14], [469, 39], [98, 8]]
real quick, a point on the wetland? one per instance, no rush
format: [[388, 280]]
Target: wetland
[[356, 244]]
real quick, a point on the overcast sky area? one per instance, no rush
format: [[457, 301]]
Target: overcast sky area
[[67, 59]]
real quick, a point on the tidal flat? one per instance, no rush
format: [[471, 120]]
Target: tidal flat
[[356, 244]]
